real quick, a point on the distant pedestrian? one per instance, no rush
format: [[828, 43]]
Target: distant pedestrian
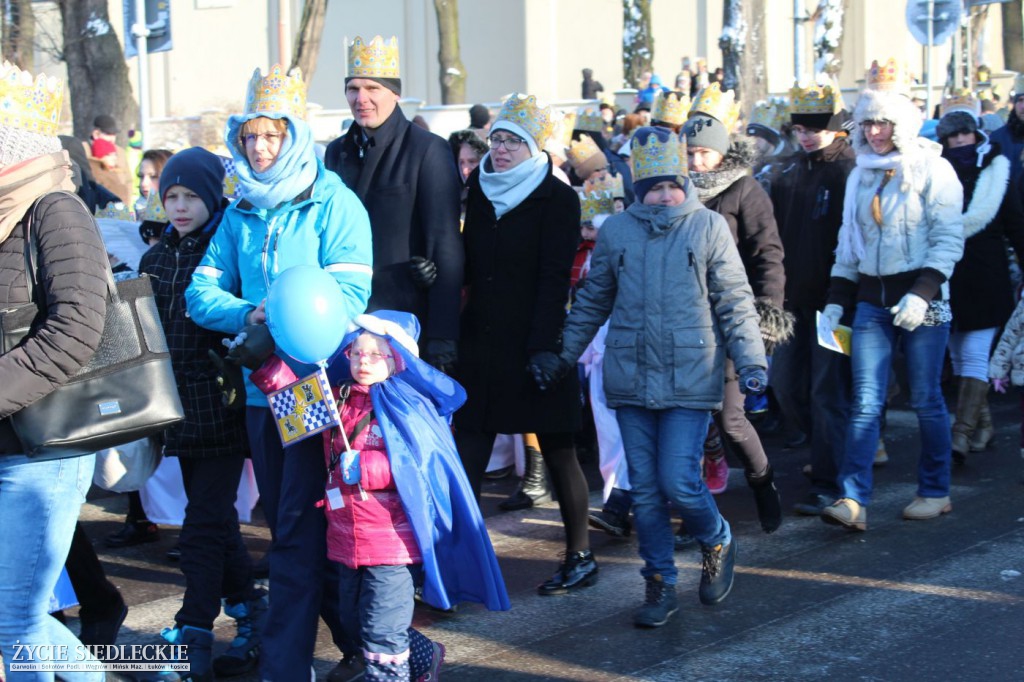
[[591, 88]]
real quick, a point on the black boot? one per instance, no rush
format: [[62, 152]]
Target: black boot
[[766, 496], [578, 570], [534, 488]]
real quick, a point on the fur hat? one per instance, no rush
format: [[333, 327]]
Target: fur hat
[[881, 105], [776, 324], [954, 123]]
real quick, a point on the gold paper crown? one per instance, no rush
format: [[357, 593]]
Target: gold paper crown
[[960, 100], [656, 158], [115, 210], [376, 59], [671, 107], [154, 211], [891, 76], [278, 93], [816, 99], [605, 182], [594, 204], [769, 114], [563, 131], [711, 101], [536, 119], [32, 105], [582, 149], [590, 119]]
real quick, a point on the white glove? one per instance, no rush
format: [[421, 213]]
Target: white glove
[[234, 343], [830, 317], [909, 312]]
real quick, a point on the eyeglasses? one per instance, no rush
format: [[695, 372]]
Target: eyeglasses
[[510, 143], [268, 138], [880, 125], [373, 356]]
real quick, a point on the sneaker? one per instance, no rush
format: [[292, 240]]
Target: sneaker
[[881, 456], [716, 475], [659, 604], [133, 533], [717, 572], [846, 512], [813, 504], [434, 672], [578, 570], [924, 508], [613, 524]]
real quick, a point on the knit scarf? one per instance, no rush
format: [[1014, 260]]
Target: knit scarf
[[506, 190], [294, 170], [710, 184], [23, 183], [851, 240]]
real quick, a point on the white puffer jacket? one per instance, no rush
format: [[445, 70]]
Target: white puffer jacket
[[1008, 358]]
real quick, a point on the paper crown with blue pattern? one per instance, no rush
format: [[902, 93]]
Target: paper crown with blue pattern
[[655, 158], [154, 211], [593, 204], [280, 92], [712, 101], [589, 119], [960, 100], [538, 120], [605, 182], [33, 105], [814, 99], [671, 107], [375, 59]]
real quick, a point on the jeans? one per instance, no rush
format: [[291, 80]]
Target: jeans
[[214, 558], [39, 506], [304, 583], [663, 450], [812, 385], [874, 337]]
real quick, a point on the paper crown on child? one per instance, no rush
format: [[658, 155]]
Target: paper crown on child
[[889, 76], [582, 150], [594, 204], [770, 114], [375, 59], [671, 107], [655, 158], [589, 119], [814, 99], [960, 100], [538, 120], [280, 92], [30, 104], [154, 210], [563, 131], [606, 183], [116, 211], [712, 101]]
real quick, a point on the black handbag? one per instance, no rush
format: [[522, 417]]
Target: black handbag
[[125, 392]]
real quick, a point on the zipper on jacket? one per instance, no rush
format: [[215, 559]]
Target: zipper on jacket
[[696, 272], [263, 258], [174, 282]]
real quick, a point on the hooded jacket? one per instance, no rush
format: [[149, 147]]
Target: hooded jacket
[[672, 285]]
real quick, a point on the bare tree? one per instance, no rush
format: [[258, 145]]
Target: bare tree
[[307, 42], [453, 73], [18, 34], [1013, 36], [828, 36], [637, 40], [97, 73], [743, 51]]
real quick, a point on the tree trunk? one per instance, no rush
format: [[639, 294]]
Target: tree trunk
[[307, 42], [1013, 36], [19, 32], [97, 72], [453, 73], [828, 37], [743, 52], [637, 40], [731, 42]]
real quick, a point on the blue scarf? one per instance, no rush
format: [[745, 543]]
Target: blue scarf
[[507, 189], [294, 170]]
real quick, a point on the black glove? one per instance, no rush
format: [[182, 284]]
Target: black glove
[[753, 381], [441, 354], [547, 369], [257, 346], [230, 382], [422, 271]]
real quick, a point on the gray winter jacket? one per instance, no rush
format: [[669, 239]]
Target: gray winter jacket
[[675, 288]]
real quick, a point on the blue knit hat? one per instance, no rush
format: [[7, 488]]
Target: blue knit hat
[[198, 170]]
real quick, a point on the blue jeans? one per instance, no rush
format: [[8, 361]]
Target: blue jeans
[[39, 506], [663, 451], [874, 337]]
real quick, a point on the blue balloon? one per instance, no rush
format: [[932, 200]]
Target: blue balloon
[[306, 313]]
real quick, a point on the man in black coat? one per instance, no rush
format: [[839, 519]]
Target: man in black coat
[[409, 184]]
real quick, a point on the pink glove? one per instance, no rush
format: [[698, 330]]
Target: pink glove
[[1000, 385]]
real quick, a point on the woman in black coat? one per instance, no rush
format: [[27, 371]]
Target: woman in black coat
[[980, 293], [521, 232]]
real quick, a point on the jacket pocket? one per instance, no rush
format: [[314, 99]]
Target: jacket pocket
[[695, 359], [621, 362]]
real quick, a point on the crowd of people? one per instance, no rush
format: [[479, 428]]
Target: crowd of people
[[538, 273]]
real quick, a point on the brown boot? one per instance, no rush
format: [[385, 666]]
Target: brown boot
[[968, 405], [985, 430]]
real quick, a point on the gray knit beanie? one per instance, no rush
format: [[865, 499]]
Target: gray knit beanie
[[706, 131]]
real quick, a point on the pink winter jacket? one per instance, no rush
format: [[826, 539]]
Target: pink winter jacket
[[371, 529]]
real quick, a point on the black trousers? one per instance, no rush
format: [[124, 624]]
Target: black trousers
[[98, 598]]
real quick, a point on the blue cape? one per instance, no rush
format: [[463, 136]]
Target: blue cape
[[412, 407]]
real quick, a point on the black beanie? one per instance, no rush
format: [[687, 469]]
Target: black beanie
[[198, 170], [706, 131], [955, 122], [392, 84], [479, 116]]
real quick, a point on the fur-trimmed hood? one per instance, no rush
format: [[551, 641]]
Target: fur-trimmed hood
[[738, 162], [988, 196], [877, 105]]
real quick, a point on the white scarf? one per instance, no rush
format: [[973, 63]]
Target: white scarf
[[851, 239], [506, 190]]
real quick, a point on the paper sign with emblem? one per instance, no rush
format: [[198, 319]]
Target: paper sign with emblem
[[304, 408]]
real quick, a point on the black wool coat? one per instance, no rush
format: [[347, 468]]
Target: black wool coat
[[73, 275], [517, 274], [410, 186], [209, 429]]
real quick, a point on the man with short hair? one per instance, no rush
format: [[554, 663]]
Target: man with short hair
[[409, 184]]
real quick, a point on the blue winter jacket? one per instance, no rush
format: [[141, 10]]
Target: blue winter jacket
[[326, 226]]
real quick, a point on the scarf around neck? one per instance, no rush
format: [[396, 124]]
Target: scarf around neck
[[23, 183], [851, 239], [294, 170], [508, 189]]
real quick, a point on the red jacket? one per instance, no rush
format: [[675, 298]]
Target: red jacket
[[371, 529]]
